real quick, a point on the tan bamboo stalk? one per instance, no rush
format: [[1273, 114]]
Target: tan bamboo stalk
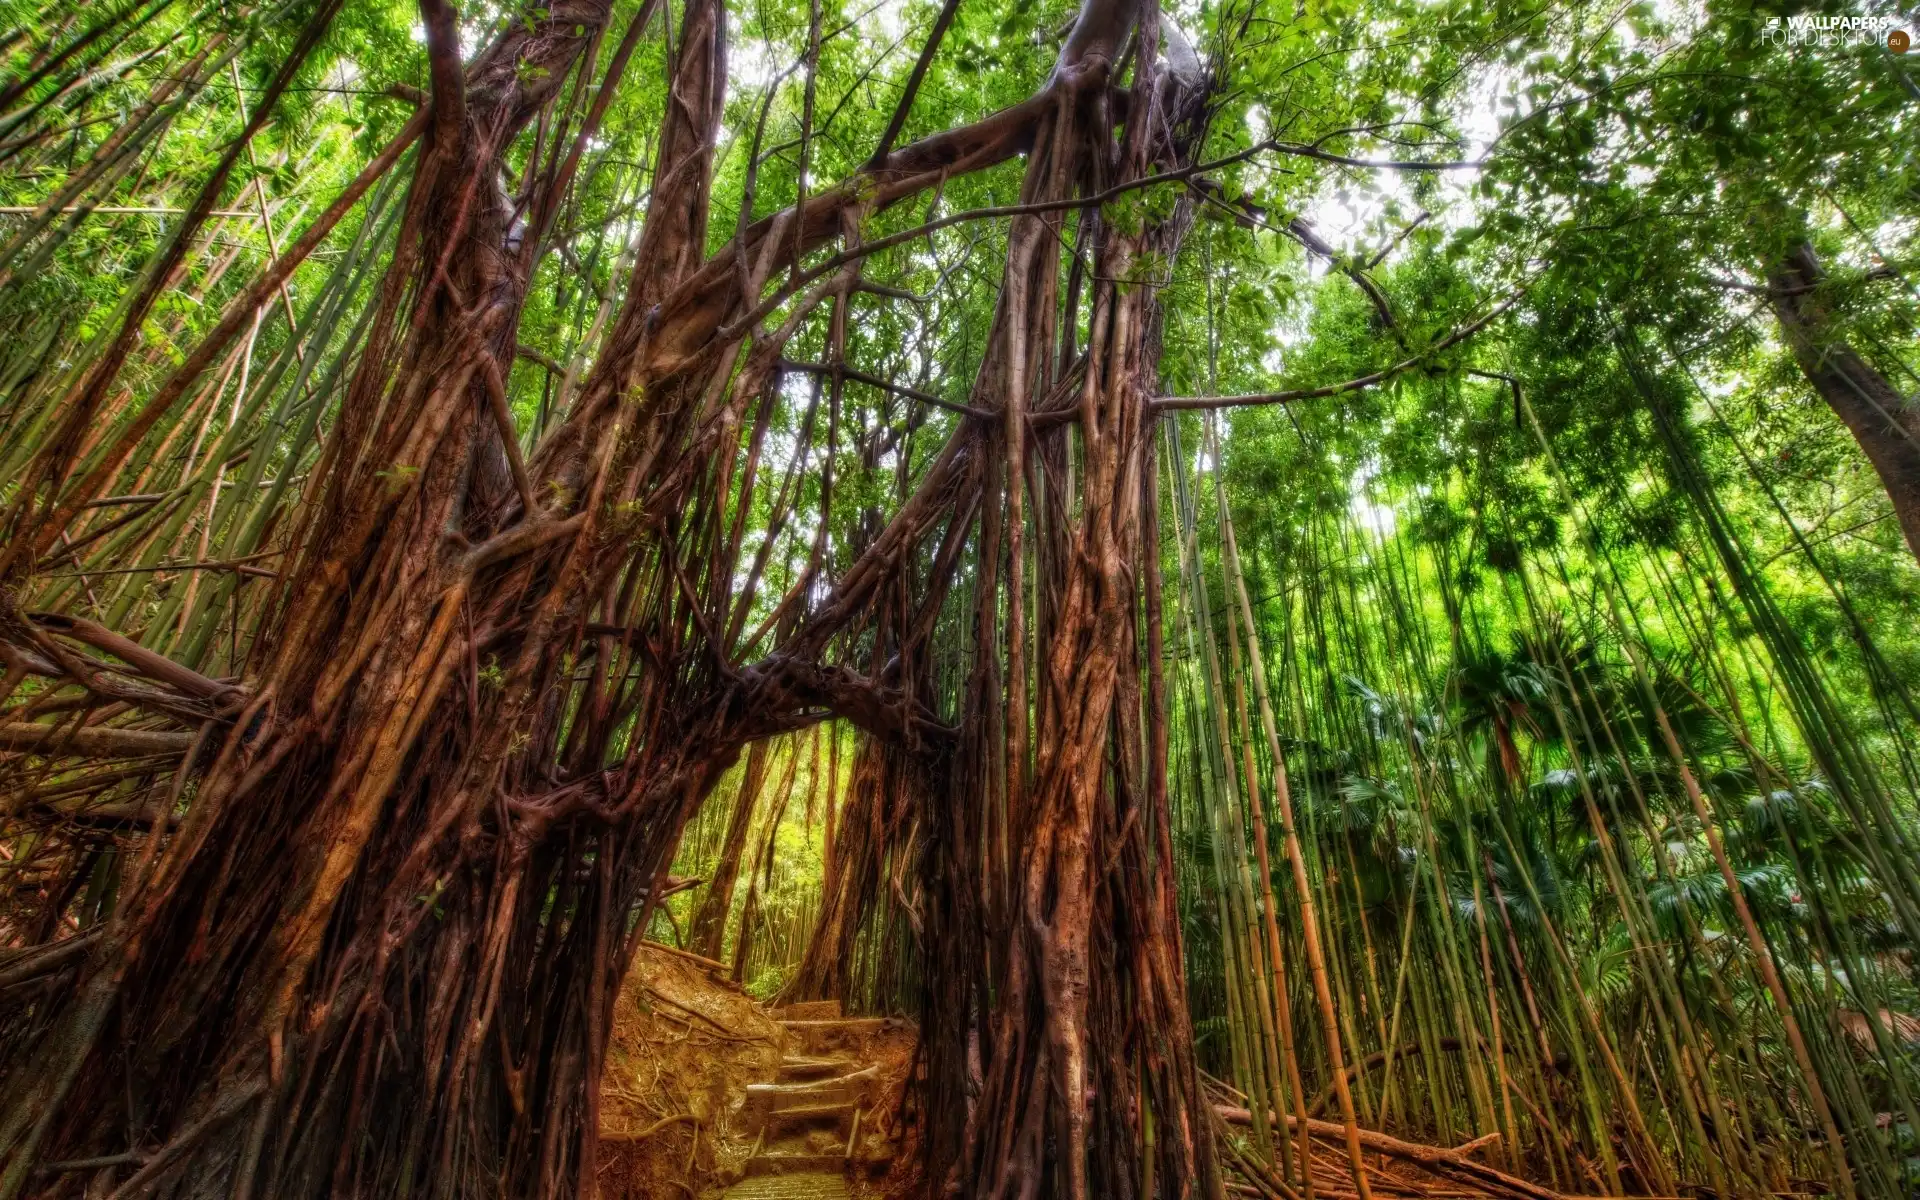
[[1479, 1097], [1368, 986], [1239, 941], [1572, 996], [1255, 1036], [1276, 980], [829, 813], [1511, 1144], [1399, 993], [1638, 923], [1283, 801], [1767, 778], [187, 611], [1339, 972], [1283, 1015], [1371, 956], [1756, 942], [1281, 1003], [237, 312], [1236, 880], [1534, 1019]]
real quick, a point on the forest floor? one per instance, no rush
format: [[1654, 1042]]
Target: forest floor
[[709, 1093]]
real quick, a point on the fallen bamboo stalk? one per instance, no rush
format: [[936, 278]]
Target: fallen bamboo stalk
[[1443, 1162], [126, 210], [91, 741], [710, 963]]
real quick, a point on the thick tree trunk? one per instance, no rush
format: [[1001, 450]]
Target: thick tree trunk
[[1884, 423], [1087, 1080], [378, 955]]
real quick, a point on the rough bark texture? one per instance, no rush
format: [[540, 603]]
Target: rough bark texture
[[1075, 1015], [1884, 423], [377, 955]]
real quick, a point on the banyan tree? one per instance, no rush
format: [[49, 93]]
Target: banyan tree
[[1290, 688]]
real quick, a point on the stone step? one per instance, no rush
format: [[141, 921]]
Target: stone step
[[810, 1010], [793, 1184], [766, 1098], [794, 1164], [821, 1039], [795, 1070], [783, 1122]]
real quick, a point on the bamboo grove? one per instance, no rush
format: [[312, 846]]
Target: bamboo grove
[[1321, 590]]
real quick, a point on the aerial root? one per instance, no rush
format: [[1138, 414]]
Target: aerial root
[[228, 1104]]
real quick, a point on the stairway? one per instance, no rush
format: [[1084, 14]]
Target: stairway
[[816, 1118]]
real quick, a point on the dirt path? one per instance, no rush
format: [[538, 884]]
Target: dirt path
[[707, 1091]]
